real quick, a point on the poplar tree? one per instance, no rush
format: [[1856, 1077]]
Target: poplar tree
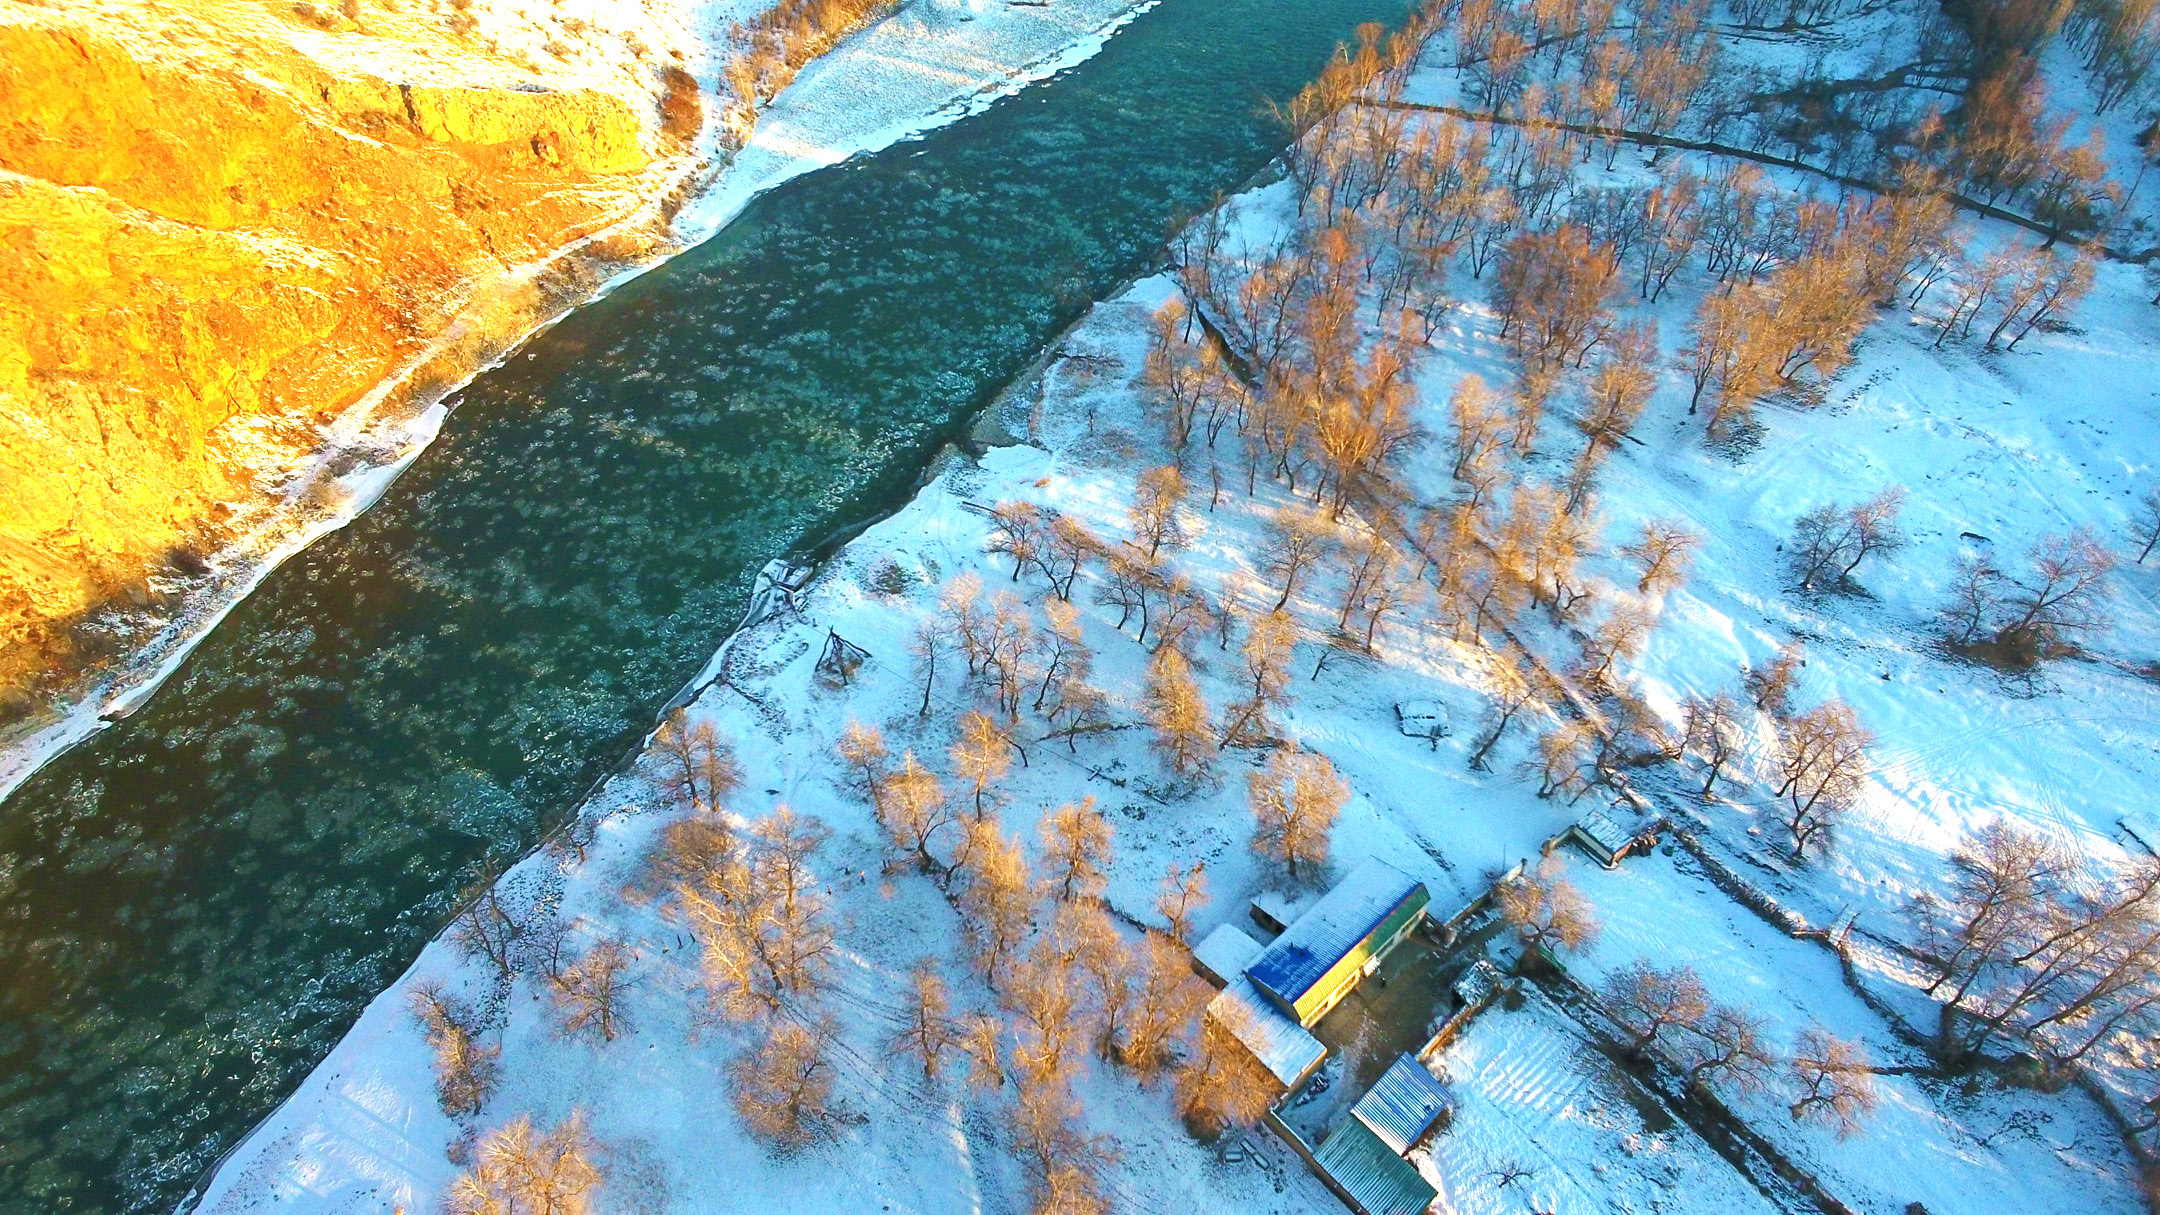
[[1295, 803]]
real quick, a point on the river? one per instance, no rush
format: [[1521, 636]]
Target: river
[[198, 901]]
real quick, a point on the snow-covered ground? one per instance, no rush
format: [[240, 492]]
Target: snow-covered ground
[[2005, 446]]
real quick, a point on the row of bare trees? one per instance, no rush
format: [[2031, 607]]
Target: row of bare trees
[[1668, 1014], [2032, 948]]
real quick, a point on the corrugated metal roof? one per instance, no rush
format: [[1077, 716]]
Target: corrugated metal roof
[[1610, 835], [1333, 927], [1378, 1180], [1281, 1045], [1403, 1104], [1226, 952]]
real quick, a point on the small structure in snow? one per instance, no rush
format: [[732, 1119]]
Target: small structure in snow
[[1275, 911], [1223, 955], [1479, 985], [1426, 719], [1365, 1173], [841, 659], [1320, 957], [1286, 1049], [1406, 1104], [1599, 835]]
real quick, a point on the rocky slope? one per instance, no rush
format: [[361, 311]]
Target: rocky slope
[[222, 223]]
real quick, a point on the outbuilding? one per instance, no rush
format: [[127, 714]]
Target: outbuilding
[[1405, 1105], [1365, 1173], [1320, 957]]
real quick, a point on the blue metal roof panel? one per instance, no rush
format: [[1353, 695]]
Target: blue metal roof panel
[[1403, 1104], [1378, 1180], [1324, 935]]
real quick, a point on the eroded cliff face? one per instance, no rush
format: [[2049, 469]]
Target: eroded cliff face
[[221, 224]]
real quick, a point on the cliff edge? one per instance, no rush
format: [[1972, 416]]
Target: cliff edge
[[224, 222]]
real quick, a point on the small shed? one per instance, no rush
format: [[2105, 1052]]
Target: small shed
[[1286, 1049], [1320, 957], [1365, 1173], [1426, 719], [1600, 835], [1479, 984], [1223, 955], [1274, 911], [1406, 1104]]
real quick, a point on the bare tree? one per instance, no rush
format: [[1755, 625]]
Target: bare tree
[[1175, 378], [2065, 594], [783, 1084], [862, 750], [930, 647], [1061, 650], [1831, 1081], [1822, 755], [516, 1171], [916, 811], [929, 1032], [1511, 693], [485, 928], [465, 1071], [1154, 512], [589, 992], [1563, 759], [2148, 520], [982, 755], [1184, 891], [1711, 729], [1479, 431], [1553, 291], [1975, 599], [1663, 552], [1649, 1001], [1772, 686], [1019, 530], [1076, 849], [1545, 910], [1728, 1047], [698, 769], [1268, 644], [1064, 553], [1623, 634], [1163, 1008], [1296, 541], [1222, 1085], [961, 620], [1183, 738], [1830, 542], [997, 906], [2031, 945], [1295, 803], [762, 925]]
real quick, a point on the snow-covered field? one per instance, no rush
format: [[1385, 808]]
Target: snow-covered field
[[1995, 450]]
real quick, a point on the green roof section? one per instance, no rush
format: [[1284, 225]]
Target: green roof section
[[1370, 1175]]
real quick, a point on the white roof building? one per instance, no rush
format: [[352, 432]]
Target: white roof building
[[1288, 1050]]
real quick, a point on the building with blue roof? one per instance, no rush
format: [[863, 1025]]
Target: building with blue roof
[[1404, 1105], [1321, 956]]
